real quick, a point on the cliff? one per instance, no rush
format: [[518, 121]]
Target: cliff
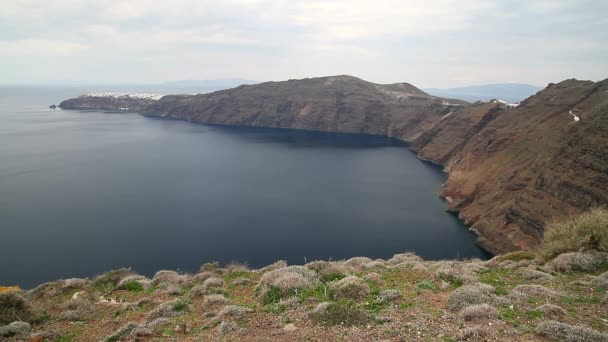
[[511, 170]]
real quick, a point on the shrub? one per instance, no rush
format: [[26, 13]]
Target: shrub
[[523, 292], [171, 277], [339, 313], [111, 278], [201, 277], [426, 284], [470, 295], [209, 266], [213, 282], [478, 311], [133, 286], [588, 231], [123, 331], [227, 327], [534, 275], [269, 277], [577, 261], [333, 272], [289, 282], [389, 295], [551, 310], [240, 281], [456, 273], [403, 257], [234, 311], [14, 307], [215, 299], [15, 328], [135, 283], [275, 266], [168, 309], [357, 262], [601, 280], [566, 332], [351, 288]]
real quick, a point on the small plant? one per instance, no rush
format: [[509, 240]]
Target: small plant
[[588, 231], [426, 285], [341, 313], [181, 305], [134, 286], [534, 314]]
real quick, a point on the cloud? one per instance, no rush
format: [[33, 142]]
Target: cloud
[[430, 43]]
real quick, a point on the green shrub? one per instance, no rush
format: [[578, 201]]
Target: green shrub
[[341, 313], [134, 286], [588, 231], [426, 285], [14, 307]]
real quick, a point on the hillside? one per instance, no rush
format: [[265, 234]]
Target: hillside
[[333, 104], [513, 170], [509, 298]]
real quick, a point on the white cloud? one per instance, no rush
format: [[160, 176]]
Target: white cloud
[[40, 48]]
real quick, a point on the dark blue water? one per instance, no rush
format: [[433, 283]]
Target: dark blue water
[[85, 192]]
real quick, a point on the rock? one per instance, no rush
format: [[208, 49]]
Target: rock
[[290, 327]]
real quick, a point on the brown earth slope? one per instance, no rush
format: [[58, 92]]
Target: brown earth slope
[[512, 170], [333, 104]]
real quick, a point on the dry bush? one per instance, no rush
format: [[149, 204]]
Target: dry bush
[[145, 283], [333, 271], [234, 311], [271, 276], [478, 311], [227, 327], [577, 261], [403, 257], [201, 277], [457, 272], [357, 262], [289, 282], [523, 292], [534, 275], [17, 328], [318, 265], [171, 277], [213, 282], [601, 280], [111, 278], [215, 299], [550, 310], [274, 266], [470, 295], [339, 314], [351, 288], [168, 309], [389, 295], [566, 332], [14, 307], [588, 231]]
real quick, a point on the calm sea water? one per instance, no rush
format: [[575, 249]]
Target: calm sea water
[[85, 192]]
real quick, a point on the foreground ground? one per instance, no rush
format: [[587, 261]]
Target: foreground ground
[[511, 297]]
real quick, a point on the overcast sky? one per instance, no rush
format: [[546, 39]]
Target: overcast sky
[[425, 42]]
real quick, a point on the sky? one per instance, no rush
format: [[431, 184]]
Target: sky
[[429, 43]]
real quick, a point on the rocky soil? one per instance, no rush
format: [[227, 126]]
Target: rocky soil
[[513, 297]]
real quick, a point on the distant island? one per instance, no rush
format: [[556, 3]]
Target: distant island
[[513, 168], [510, 92]]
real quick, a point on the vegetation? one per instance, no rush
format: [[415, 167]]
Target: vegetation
[[511, 297], [588, 231]]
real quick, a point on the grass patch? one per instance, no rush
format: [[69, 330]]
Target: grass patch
[[453, 281], [134, 286], [534, 314], [426, 285], [343, 313], [494, 277], [181, 305], [65, 338]]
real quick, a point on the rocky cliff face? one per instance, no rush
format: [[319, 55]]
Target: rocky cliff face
[[511, 170], [333, 104]]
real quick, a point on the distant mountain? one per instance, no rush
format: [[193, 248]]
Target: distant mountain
[[510, 92]]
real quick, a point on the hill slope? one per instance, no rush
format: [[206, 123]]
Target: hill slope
[[511, 171]]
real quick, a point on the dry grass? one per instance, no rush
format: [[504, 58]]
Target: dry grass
[[478, 311], [566, 332], [215, 299], [577, 261], [470, 295], [550, 310], [213, 282], [588, 231], [351, 288], [171, 277]]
